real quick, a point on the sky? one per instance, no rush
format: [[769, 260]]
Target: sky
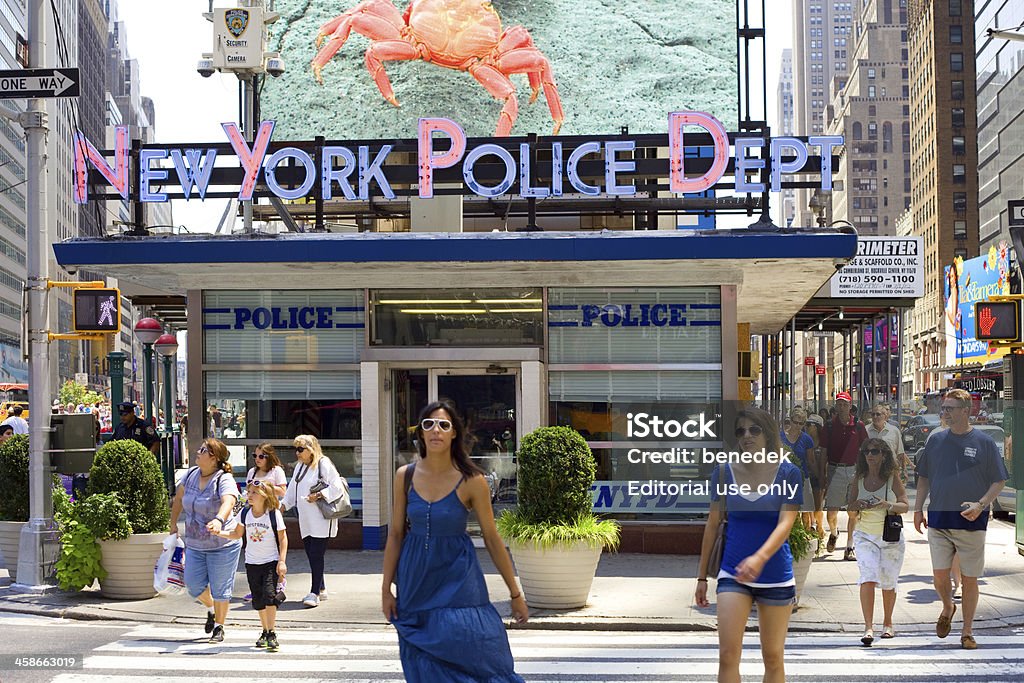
[[190, 108]]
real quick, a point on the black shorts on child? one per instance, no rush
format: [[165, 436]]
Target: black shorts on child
[[263, 585]]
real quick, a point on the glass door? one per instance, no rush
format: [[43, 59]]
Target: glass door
[[488, 400]]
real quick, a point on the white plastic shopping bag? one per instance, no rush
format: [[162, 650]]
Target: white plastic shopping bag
[[169, 573]]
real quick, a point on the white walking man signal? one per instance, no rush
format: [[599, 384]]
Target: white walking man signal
[[107, 309]]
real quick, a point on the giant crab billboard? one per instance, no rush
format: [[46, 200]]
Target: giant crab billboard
[[372, 68]]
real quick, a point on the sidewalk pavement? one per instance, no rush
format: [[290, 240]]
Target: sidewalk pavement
[[631, 592]]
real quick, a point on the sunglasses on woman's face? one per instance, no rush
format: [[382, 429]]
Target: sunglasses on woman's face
[[874, 451], [429, 423], [203, 450], [259, 456], [299, 449], [753, 430]]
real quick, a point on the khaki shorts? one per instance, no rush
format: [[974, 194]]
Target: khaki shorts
[[841, 478], [968, 545]]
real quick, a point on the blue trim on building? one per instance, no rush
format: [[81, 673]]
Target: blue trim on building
[[563, 324], [460, 247], [374, 537], [706, 307], [210, 326], [212, 311], [563, 307]]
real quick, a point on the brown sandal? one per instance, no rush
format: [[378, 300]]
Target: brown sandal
[[944, 624], [967, 642]]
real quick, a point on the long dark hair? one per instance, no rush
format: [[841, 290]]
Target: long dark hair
[[460, 450], [272, 460], [888, 465], [767, 423]]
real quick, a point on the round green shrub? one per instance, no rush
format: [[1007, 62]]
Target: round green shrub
[[14, 479], [556, 471], [131, 471]]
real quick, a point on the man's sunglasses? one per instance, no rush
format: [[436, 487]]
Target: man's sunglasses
[[429, 423]]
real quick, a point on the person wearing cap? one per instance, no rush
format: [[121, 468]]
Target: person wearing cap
[[879, 428], [841, 438], [131, 427]]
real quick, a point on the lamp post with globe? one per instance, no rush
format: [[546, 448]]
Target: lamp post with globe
[[167, 346], [148, 330]]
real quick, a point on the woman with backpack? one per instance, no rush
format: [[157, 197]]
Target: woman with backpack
[[315, 530], [207, 496]]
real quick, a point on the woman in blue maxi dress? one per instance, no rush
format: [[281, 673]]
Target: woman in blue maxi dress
[[448, 630]]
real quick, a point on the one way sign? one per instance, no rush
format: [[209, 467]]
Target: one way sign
[[42, 83]]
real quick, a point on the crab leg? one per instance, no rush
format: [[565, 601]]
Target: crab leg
[[375, 19], [531, 60], [499, 85], [517, 37], [387, 51]]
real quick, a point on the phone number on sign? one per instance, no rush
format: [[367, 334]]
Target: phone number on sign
[[10, 662]]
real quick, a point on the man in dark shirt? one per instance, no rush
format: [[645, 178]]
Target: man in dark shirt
[[841, 439], [961, 472], [133, 428]]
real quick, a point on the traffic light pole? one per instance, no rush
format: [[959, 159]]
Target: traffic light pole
[[38, 546]]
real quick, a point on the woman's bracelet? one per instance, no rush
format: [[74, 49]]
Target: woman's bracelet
[[517, 595], [702, 580]]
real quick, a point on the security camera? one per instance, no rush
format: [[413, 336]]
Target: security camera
[[275, 66], [205, 68], [71, 270]]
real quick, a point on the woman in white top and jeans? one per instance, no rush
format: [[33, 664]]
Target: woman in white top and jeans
[[268, 469], [876, 492], [314, 529]]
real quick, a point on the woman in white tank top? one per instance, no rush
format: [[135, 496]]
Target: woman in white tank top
[[876, 492]]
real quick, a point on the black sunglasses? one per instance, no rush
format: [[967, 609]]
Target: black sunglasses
[[753, 430], [873, 451], [260, 456], [299, 449]]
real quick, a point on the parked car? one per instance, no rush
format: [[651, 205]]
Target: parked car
[[917, 431]]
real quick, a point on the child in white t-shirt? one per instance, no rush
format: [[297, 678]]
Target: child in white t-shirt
[[264, 556]]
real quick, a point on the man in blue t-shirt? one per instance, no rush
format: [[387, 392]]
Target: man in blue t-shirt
[[961, 472]]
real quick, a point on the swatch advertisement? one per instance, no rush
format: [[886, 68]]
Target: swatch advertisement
[[965, 284]]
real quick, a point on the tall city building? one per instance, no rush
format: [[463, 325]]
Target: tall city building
[[869, 108], [13, 30], [822, 49], [1000, 93], [944, 172], [785, 121]]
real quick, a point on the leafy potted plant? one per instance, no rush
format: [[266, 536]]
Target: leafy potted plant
[[131, 471], [555, 539], [13, 497], [82, 524], [804, 544]]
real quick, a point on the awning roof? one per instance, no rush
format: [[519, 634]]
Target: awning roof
[[855, 312], [775, 272]]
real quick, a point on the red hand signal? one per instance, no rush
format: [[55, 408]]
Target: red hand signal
[[986, 320]]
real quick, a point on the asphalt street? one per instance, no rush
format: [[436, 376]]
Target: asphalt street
[[133, 653]]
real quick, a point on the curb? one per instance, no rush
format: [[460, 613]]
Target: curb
[[535, 624]]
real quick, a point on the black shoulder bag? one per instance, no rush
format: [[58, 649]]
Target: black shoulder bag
[[892, 527]]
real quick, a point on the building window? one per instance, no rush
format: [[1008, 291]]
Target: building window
[[858, 131], [960, 201], [959, 174], [958, 117], [955, 8], [957, 90], [871, 73], [962, 253], [956, 33], [959, 144], [872, 131], [956, 61], [959, 230], [871, 90]]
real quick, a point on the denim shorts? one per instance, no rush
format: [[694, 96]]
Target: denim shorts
[[213, 568], [777, 595]]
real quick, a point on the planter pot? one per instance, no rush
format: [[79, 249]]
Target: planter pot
[[556, 578], [10, 539], [129, 565], [801, 567]]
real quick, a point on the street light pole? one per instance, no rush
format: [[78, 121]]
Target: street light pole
[[148, 331], [38, 545]]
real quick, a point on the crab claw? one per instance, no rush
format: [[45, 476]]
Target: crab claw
[[320, 38], [534, 94], [558, 127], [317, 69]]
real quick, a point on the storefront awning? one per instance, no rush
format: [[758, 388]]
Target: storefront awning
[[775, 272]]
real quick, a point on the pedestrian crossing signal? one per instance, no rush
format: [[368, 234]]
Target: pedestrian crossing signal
[[997, 321], [96, 310]]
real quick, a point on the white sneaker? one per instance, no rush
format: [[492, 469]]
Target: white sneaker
[[323, 594], [311, 600]]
